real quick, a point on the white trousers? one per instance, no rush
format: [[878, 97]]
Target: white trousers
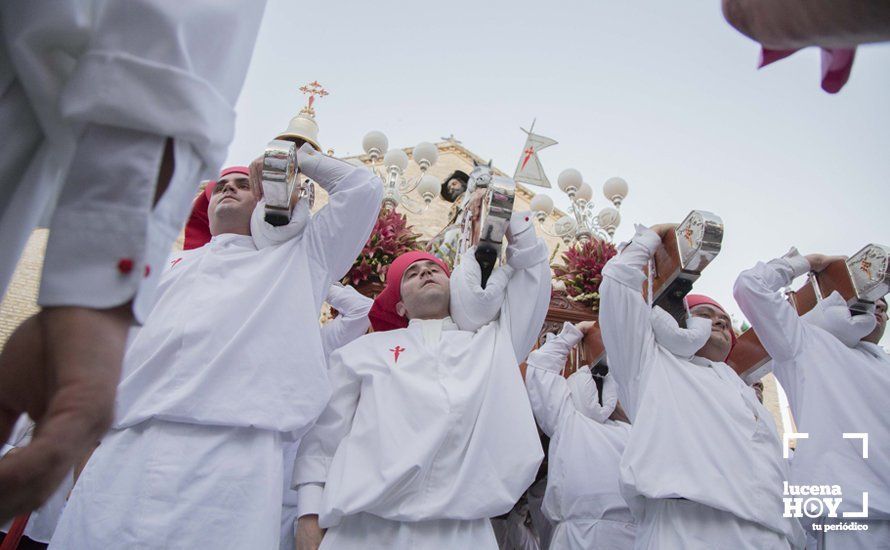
[[368, 532], [679, 524], [170, 485]]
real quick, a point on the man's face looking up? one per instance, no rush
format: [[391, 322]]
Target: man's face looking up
[[231, 203], [425, 291], [718, 345]]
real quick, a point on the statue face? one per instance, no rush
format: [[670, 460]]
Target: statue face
[[456, 187]]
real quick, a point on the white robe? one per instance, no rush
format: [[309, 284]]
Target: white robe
[[42, 522], [432, 444], [232, 349], [583, 497], [832, 389], [698, 434], [249, 318], [91, 90], [351, 322]]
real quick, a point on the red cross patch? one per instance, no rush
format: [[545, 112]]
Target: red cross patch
[[396, 351]]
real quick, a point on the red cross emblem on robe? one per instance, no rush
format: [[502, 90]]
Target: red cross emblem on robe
[[395, 353]]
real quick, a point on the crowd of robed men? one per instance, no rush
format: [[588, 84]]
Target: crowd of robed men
[[231, 394]]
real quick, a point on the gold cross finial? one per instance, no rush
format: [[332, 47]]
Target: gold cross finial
[[313, 90]]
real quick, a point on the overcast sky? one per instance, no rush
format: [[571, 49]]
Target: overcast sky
[[664, 94]]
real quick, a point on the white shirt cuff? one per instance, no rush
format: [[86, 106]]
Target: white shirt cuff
[[322, 169], [647, 238], [520, 222], [571, 334], [799, 264], [309, 498]]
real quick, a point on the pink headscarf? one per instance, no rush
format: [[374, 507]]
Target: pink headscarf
[[383, 314], [197, 229]]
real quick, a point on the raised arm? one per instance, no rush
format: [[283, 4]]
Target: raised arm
[[528, 291], [318, 446], [548, 391], [352, 319], [340, 229], [625, 315], [775, 321]]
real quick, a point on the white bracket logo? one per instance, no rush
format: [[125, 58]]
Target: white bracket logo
[[797, 507]]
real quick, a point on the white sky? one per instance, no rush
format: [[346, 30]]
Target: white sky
[[664, 94]]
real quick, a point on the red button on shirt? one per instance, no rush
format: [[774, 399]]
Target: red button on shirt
[[125, 265]]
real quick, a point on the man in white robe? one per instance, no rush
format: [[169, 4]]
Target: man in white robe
[[227, 369], [113, 111], [429, 432], [703, 466], [837, 380], [351, 322], [587, 439]]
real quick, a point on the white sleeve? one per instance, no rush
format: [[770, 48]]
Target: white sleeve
[[157, 67], [339, 230], [625, 316], [318, 446], [351, 320], [472, 306], [528, 292], [773, 318], [548, 391], [146, 71], [108, 243], [309, 497]]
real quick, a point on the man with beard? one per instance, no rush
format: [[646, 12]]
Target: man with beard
[[444, 245]]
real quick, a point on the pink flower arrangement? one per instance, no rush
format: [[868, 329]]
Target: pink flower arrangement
[[582, 269], [391, 237]]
